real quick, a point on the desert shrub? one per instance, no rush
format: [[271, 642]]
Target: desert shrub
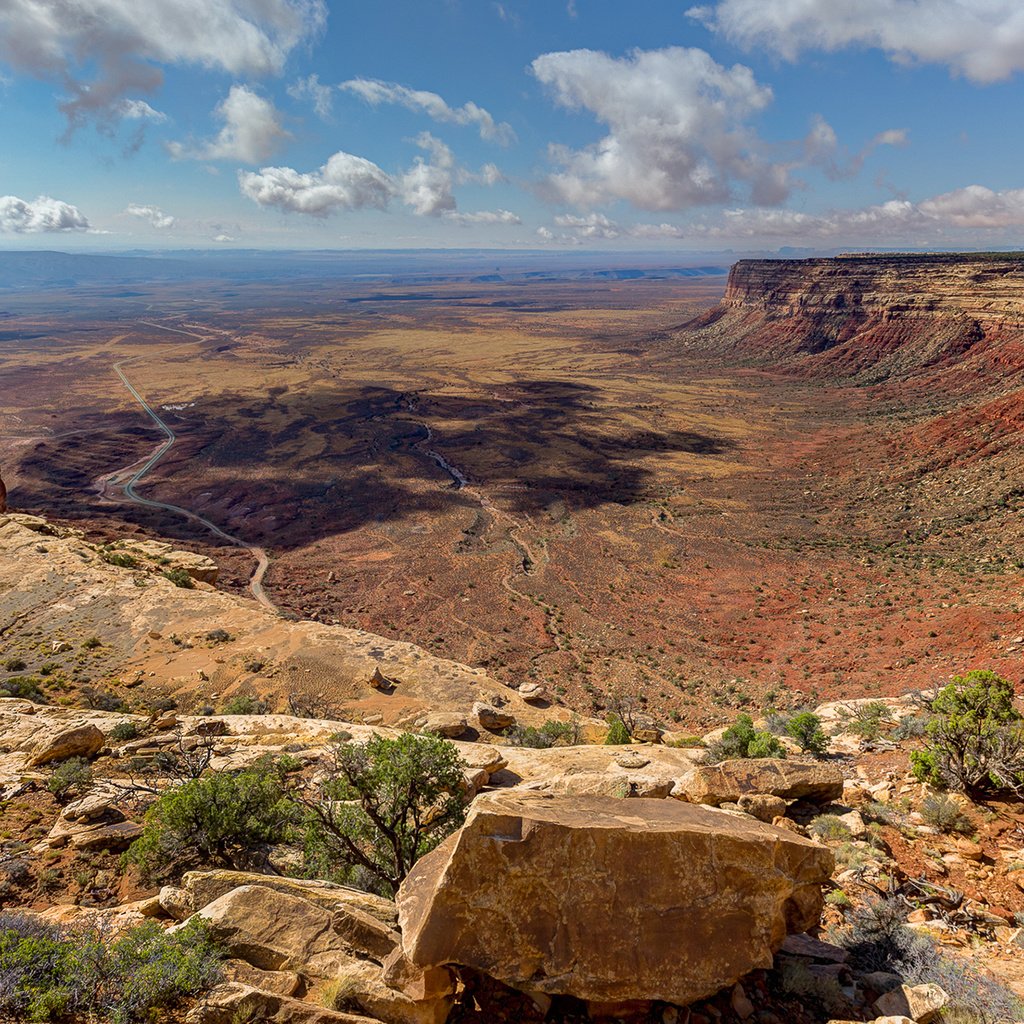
[[218, 636], [550, 734], [805, 728], [25, 687], [123, 732], [878, 939], [942, 811], [854, 855], [618, 734], [70, 778], [838, 898], [741, 739], [49, 667], [911, 727], [92, 643], [829, 828], [14, 664], [180, 578], [49, 973], [121, 558], [223, 819], [975, 737], [245, 704], [866, 720], [102, 700], [383, 804]]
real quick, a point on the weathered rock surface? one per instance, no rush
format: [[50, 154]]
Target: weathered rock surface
[[82, 741], [547, 894], [919, 1002], [235, 1001], [492, 718], [724, 783]]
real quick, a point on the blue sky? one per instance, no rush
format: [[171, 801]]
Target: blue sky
[[520, 123]]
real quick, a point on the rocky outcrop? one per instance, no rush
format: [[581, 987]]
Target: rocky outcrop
[[727, 782], [3, 496], [870, 315], [543, 893]]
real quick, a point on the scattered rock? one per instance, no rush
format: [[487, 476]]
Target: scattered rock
[[533, 691], [557, 897], [802, 944]]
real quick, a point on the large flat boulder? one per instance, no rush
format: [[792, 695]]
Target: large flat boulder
[[610, 900], [715, 784]]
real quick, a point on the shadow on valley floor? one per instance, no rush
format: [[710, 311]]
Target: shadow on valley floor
[[302, 465]]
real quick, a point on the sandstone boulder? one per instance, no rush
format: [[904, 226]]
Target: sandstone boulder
[[918, 1002], [558, 905], [200, 888], [234, 1001], [449, 724], [492, 718], [81, 741], [791, 780], [763, 806]]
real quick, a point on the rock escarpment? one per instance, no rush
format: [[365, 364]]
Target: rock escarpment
[[610, 900], [874, 316]]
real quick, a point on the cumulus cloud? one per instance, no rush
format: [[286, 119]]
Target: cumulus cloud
[[973, 208], [251, 132], [678, 130], [24, 217], [981, 39], [348, 182], [140, 110], [104, 51], [376, 92], [310, 88], [153, 214], [484, 217], [345, 182]]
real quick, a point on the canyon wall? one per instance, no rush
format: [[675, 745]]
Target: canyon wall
[[873, 317]]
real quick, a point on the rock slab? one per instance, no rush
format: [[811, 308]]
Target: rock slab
[[727, 782], [610, 900]]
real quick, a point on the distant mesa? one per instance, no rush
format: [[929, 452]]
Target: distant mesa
[[873, 317]]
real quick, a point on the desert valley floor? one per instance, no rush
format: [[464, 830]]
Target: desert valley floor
[[545, 481]]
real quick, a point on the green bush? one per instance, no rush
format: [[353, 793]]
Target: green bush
[[70, 778], [25, 687], [245, 704], [741, 739], [92, 643], [121, 558], [806, 729], [14, 664], [618, 734], [49, 973], [223, 819], [180, 578], [123, 731], [975, 738], [867, 720], [550, 734], [383, 804], [829, 828]]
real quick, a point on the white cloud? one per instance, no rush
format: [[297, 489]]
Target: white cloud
[[982, 39], [348, 182], [376, 92], [153, 214], [678, 132], [20, 216], [125, 41], [251, 132], [224, 238], [485, 217], [822, 149], [345, 182], [310, 87], [593, 225], [140, 110], [977, 207]]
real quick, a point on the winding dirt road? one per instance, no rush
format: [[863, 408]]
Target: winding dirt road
[[128, 484]]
